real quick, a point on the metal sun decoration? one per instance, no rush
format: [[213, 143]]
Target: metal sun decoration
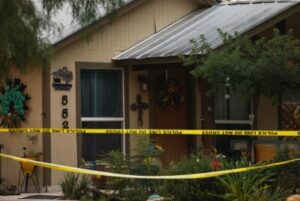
[[13, 104]]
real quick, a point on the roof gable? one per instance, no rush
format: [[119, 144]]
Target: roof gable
[[75, 31]]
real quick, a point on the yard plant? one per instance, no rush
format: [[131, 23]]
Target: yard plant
[[75, 187], [254, 66]]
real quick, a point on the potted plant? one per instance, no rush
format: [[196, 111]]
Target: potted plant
[[28, 167], [32, 155]]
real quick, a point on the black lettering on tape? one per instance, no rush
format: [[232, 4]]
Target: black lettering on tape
[[141, 131]]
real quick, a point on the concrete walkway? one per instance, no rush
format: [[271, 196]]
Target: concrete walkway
[[33, 197]]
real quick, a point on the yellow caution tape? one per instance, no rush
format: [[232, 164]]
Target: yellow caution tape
[[155, 131], [109, 174]]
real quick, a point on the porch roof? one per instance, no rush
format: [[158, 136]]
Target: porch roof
[[175, 39]]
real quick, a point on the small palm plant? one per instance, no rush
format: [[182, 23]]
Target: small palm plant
[[248, 186], [75, 188]]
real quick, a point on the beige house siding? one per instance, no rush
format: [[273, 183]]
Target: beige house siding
[[13, 142], [100, 46], [267, 114], [133, 92]]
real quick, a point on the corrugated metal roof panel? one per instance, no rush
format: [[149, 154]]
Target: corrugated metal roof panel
[[230, 18]]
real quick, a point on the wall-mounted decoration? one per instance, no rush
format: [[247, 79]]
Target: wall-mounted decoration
[[296, 115], [290, 117], [13, 104], [170, 93], [139, 106], [61, 79]]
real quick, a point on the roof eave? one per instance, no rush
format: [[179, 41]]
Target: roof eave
[[156, 60]]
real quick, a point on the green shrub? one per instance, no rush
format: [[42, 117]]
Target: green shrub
[[287, 176], [248, 186], [190, 190], [130, 189], [75, 188]]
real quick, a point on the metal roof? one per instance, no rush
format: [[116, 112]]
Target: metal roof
[[175, 39]]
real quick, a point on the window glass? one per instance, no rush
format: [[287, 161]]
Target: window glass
[[101, 107], [101, 93], [96, 146], [238, 108]]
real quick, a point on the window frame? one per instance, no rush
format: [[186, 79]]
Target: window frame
[[231, 121], [120, 119]]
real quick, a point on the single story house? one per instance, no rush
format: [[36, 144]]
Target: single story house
[[115, 73]]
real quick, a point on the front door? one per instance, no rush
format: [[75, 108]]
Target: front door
[[169, 110]]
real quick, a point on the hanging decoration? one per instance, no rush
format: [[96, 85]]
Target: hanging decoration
[[139, 106], [13, 104], [170, 93]]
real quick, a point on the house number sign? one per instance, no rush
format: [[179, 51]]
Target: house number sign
[[65, 111], [62, 79]]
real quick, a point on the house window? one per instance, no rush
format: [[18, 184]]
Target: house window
[[231, 109], [231, 113], [102, 106]]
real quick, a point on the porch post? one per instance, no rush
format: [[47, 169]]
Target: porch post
[[1, 179]]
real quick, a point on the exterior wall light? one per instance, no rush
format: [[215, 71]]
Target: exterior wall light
[[143, 82]]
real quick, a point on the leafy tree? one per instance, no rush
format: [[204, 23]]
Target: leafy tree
[[266, 67], [23, 22]]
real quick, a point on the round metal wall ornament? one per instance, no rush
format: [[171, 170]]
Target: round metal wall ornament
[[13, 104]]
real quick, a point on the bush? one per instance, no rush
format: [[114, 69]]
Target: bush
[[131, 189], [248, 186], [76, 188], [190, 190], [287, 176]]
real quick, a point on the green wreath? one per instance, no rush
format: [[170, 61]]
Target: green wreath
[[13, 104], [170, 94]]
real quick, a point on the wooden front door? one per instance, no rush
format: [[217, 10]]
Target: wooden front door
[[169, 110]]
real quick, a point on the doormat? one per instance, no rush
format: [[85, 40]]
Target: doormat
[[42, 197]]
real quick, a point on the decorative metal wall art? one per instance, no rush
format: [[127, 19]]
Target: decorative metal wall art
[[61, 79], [13, 104]]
